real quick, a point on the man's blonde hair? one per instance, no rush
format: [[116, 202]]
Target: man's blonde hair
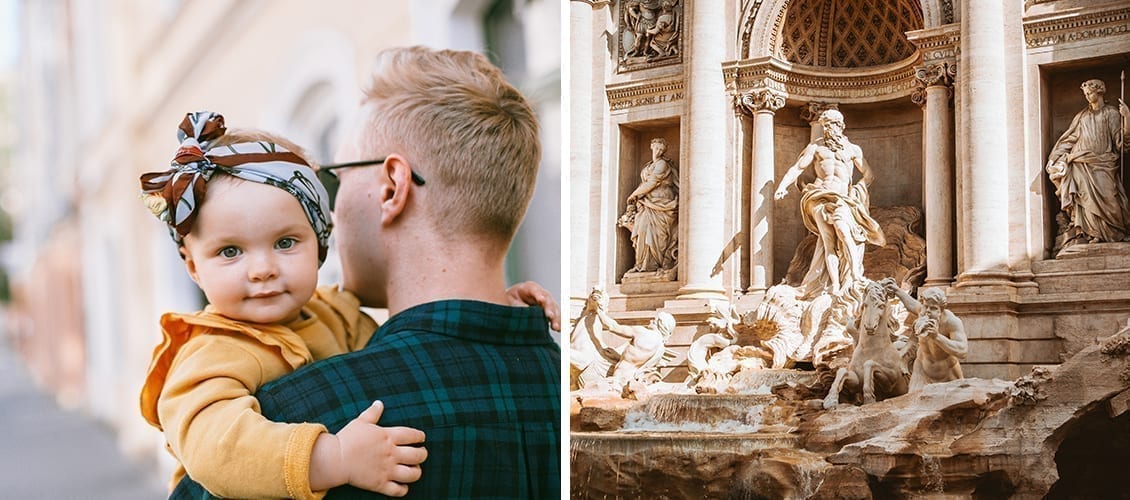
[[461, 126]]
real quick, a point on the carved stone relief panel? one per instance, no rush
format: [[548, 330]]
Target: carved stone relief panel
[[649, 34]]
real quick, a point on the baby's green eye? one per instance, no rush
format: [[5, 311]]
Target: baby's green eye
[[285, 243], [229, 252]]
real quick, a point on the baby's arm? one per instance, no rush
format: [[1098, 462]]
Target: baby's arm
[[365, 455], [529, 293], [212, 423]]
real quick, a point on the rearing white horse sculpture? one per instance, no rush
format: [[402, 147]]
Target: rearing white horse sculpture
[[876, 369]]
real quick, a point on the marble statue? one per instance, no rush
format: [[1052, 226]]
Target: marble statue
[[652, 214], [877, 370], [714, 358], [940, 335], [639, 358], [587, 364], [626, 369], [1084, 167], [834, 209]]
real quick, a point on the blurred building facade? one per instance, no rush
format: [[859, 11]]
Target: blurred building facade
[[101, 87]]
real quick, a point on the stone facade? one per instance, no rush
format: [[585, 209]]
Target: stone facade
[[956, 113]]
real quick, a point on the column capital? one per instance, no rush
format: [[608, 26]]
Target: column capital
[[762, 99], [811, 111], [938, 74]]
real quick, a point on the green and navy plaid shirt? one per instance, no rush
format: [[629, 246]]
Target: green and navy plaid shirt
[[482, 380]]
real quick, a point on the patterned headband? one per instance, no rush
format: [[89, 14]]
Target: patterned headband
[[174, 194]]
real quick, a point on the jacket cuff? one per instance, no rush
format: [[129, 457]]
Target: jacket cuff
[[296, 465]]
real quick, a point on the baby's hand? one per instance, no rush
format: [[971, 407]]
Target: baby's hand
[[379, 458], [528, 293]]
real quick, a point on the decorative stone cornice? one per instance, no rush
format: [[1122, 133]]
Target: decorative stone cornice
[[595, 4], [636, 94], [1075, 26], [937, 44], [762, 99], [811, 111], [940, 74], [821, 84]]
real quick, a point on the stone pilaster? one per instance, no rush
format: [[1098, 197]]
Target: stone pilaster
[[703, 185], [762, 103], [935, 89]]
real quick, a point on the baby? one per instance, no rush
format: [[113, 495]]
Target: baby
[[253, 223]]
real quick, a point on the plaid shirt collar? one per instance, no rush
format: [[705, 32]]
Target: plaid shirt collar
[[472, 320]]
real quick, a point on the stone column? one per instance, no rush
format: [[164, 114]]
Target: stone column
[[703, 186], [985, 153], [762, 103], [811, 114], [935, 83]]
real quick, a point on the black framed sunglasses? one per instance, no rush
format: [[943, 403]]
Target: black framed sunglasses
[[331, 181]]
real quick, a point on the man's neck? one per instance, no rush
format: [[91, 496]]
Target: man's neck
[[442, 269]]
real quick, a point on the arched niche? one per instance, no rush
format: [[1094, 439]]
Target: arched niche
[[853, 55]]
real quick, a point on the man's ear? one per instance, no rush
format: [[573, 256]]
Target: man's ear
[[189, 264], [394, 190]]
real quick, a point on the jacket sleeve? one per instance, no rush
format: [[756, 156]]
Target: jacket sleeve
[[213, 424]]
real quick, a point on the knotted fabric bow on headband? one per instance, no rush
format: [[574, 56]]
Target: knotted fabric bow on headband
[[175, 194]]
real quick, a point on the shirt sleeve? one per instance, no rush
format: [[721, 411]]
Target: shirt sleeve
[[213, 425]]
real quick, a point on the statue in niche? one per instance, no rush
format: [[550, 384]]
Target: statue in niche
[[834, 209], [1084, 167], [654, 26], [652, 215], [939, 335]]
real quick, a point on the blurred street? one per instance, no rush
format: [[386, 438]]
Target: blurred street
[[50, 453]]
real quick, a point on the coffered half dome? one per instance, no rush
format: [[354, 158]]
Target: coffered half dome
[[847, 33]]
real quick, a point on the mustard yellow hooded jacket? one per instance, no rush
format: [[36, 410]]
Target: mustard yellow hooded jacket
[[200, 391]]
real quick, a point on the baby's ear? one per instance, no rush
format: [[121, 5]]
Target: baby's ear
[[189, 263]]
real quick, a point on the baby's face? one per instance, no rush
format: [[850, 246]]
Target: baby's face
[[253, 252]]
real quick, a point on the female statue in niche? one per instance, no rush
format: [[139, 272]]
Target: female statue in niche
[[653, 211], [1084, 166]]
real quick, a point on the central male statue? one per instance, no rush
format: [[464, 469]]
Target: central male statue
[[834, 209]]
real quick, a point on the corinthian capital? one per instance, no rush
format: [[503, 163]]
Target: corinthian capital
[[940, 73], [763, 99]]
